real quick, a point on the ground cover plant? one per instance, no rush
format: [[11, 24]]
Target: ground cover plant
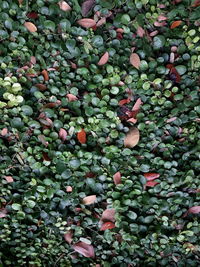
[[99, 133]]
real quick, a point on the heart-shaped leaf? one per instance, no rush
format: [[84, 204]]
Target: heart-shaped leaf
[[84, 249], [104, 59], [132, 138], [86, 23], [107, 225], [30, 26], [135, 60], [89, 199], [117, 178], [81, 136]]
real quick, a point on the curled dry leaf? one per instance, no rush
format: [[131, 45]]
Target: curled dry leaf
[[4, 131], [68, 237], [175, 24], [30, 26], [64, 6], [63, 134], [108, 215], [81, 136], [150, 176], [45, 75], [89, 200], [132, 138], [117, 178], [9, 179], [107, 225], [86, 23], [87, 6], [104, 59], [135, 60], [72, 97], [84, 249]]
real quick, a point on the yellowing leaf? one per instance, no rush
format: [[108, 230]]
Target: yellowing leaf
[[89, 200], [86, 23], [104, 59], [30, 26], [135, 60], [132, 138], [64, 6]]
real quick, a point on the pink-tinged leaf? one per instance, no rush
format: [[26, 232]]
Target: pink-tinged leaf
[[117, 178], [161, 18], [108, 215], [64, 6], [140, 31], [87, 6], [160, 24], [107, 225], [101, 22], [84, 249], [171, 119], [150, 176], [63, 134], [104, 59], [4, 131], [69, 189], [68, 237], [196, 3], [151, 184], [154, 33], [120, 30], [132, 120], [33, 60], [9, 179], [43, 140], [89, 200], [194, 210], [82, 136], [30, 26], [72, 97], [132, 138], [124, 101], [137, 105], [3, 213], [135, 60], [73, 65], [120, 83], [86, 23]]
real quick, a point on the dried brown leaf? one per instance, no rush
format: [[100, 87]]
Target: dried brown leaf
[[30, 26], [135, 60], [132, 138]]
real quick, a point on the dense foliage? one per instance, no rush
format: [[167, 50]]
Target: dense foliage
[[99, 134]]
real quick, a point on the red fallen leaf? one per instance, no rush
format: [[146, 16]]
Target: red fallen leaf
[[119, 36], [137, 105], [132, 120], [175, 24], [4, 131], [124, 101], [72, 97], [32, 15], [52, 104], [117, 178], [108, 215], [45, 156], [43, 140], [89, 199], [3, 213], [86, 23], [196, 3], [41, 87], [84, 249], [90, 174], [69, 189], [94, 27], [30, 26], [150, 176], [68, 237], [107, 225], [192, 210], [135, 60], [9, 179], [104, 59], [154, 33], [45, 75], [87, 6], [81, 136], [64, 6], [140, 31], [63, 134], [151, 184], [101, 22]]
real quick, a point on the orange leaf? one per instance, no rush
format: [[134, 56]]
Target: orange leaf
[[45, 75], [63, 134], [132, 138], [9, 179], [108, 215], [81, 136], [117, 178], [86, 23], [107, 225], [175, 24], [150, 176], [64, 6], [30, 26], [104, 59], [135, 60], [84, 249], [89, 200], [124, 101]]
